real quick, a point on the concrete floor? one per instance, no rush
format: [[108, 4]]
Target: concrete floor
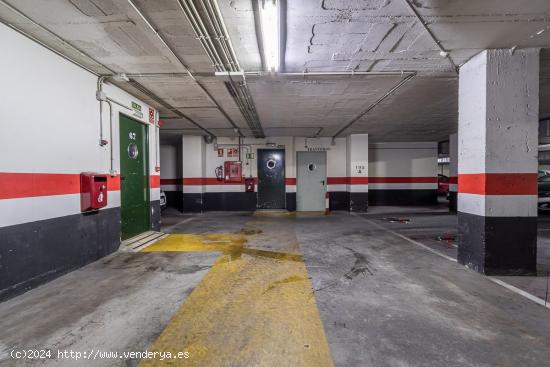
[[379, 299]]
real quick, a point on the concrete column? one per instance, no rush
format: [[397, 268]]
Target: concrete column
[[497, 166], [194, 172], [357, 154], [453, 171]]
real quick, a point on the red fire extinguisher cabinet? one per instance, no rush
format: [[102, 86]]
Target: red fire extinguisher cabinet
[[233, 171], [93, 191]]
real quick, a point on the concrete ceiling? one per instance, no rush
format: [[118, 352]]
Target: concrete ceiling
[[383, 36]]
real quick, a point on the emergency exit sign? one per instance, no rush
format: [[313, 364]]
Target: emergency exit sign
[[137, 110]]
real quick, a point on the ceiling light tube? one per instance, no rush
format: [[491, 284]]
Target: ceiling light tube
[[269, 20]]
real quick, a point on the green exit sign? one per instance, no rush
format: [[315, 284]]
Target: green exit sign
[[136, 107]]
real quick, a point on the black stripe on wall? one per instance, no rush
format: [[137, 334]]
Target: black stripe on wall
[[230, 201], [498, 245], [174, 199], [359, 201], [192, 203], [402, 197], [338, 200], [34, 253]]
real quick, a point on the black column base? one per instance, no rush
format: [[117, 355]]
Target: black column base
[[291, 201], [453, 201], [358, 201], [155, 215], [498, 245]]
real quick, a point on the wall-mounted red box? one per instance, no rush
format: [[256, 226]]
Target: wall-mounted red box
[[233, 171], [93, 191]]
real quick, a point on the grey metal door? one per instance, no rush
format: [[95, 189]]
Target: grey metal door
[[311, 181], [271, 179]]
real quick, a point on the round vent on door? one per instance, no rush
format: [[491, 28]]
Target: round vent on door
[[133, 151], [271, 164]]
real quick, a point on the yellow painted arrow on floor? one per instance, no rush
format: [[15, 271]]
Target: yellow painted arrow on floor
[[255, 307]]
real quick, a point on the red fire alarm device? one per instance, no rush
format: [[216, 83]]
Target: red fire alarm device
[[233, 171], [249, 184], [93, 191]]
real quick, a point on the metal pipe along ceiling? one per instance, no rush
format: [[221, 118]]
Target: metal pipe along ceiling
[[208, 25], [101, 77], [182, 62]]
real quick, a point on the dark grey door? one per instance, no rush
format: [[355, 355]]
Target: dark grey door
[[271, 179]]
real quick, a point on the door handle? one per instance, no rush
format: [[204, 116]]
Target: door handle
[[323, 182]]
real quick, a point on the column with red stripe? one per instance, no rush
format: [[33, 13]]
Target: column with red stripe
[[497, 165], [357, 156]]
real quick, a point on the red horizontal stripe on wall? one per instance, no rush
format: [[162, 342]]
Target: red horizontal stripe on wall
[[24, 185], [171, 181], [337, 180], [453, 180], [403, 179], [359, 180], [192, 181], [198, 181], [21, 185], [347, 180], [113, 183], [155, 181], [498, 183]]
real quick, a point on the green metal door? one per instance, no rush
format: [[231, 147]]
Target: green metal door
[[134, 177]]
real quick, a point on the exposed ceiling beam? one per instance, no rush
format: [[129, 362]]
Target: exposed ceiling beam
[[372, 106], [442, 50]]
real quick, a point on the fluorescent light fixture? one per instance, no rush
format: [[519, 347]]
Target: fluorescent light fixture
[[269, 19]]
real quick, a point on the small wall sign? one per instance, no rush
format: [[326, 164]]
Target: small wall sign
[[360, 168], [318, 149], [151, 116]]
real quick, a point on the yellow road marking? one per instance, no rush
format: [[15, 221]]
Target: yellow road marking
[[253, 308]]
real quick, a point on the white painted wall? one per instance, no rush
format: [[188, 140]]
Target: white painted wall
[[49, 123], [403, 160], [169, 163], [194, 165]]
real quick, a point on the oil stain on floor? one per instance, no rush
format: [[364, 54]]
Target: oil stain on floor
[[253, 308]]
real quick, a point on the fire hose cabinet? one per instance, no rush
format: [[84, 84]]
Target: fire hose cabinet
[[93, 191], [249, 184], [233, 171]]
